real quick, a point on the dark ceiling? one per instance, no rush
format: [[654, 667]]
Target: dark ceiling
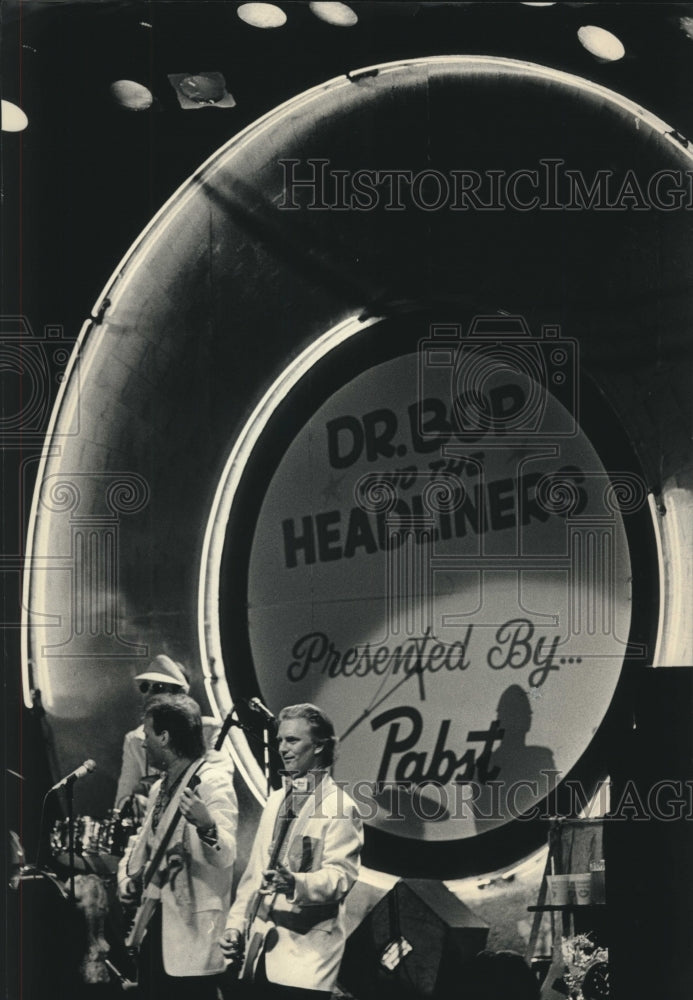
[[92, 174]]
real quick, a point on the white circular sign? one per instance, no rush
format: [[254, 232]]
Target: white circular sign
[[440, 563]]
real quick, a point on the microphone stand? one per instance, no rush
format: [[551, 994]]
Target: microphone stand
[[232, 720], [266, 760], [229, 721], [69, 795]]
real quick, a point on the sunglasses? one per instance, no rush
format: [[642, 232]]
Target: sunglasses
[[156, 687]]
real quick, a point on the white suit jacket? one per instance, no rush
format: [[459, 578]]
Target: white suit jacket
[[193, 913], [134, 765], [322, 851]]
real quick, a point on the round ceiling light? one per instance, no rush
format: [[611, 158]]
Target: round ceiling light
[[131, 95], [600, 43], [262, 15], [339, 14], [13, 118]]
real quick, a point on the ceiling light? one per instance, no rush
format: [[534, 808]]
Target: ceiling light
[[601, 43], [262, 15], [131, 95], [339, 14], [13, 118], [201, 90]]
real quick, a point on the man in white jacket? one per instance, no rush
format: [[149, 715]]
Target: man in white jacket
[[137, 774], [304, 861], [190, 892]]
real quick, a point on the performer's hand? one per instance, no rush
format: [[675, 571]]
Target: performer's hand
[[139, 806], [232, 946], [127, 891], [194, 810], [280, 880]]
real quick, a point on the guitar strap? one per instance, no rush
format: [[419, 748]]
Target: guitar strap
[[286, 816], [283, 821], [193, 779]]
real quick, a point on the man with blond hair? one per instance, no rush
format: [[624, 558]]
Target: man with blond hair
[[288, 915]]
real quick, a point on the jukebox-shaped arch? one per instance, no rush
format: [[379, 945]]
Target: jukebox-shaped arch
[[270, 324]]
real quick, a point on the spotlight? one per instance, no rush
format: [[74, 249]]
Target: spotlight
[[339, 14], [13, 118], [131, 95], [601, 43], [262, 15]]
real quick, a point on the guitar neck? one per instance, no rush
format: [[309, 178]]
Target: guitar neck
[[262, 905], [154, 864]]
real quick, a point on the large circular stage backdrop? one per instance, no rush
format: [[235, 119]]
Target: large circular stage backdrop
[[365, 418]]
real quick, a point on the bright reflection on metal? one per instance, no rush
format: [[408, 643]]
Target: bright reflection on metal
[[13, 118], [672, 517], [131, 95], [601, 43], [262, 15], [215, 533], [339, 14]]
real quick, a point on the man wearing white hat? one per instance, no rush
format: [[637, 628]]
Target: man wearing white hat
[[162, 676]]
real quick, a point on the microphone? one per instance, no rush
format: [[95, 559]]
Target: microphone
[[261, 709], [86, 768]]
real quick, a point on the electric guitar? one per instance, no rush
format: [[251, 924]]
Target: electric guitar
[[259, 926], [148, 903], [259, 922]]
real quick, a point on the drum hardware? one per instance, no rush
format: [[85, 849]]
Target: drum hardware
[[30, 873], [127, 984], [107, 837], [17, 859]]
